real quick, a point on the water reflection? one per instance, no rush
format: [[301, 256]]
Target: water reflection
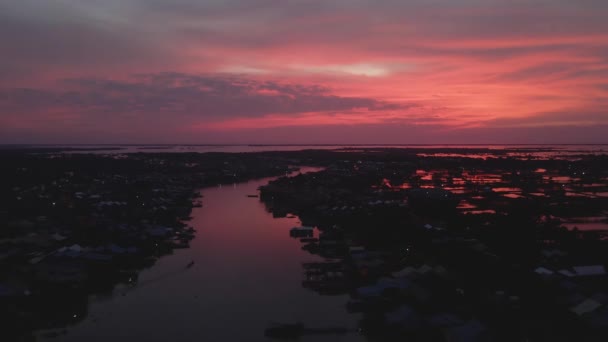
[[247, 273], [538, 152]]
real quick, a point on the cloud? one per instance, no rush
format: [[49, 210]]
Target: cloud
[[56, 39], [176, 100], [564, 118], [266, 64], [190, 95]]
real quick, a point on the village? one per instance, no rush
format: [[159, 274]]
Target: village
[[78, 224], [452, 248], [434, 247]]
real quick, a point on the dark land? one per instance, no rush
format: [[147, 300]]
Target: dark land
[[431, 245], [76, 224]]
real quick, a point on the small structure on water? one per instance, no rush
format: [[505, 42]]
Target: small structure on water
[[301, 231]]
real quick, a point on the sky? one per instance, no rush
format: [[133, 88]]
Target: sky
[[304, 71]]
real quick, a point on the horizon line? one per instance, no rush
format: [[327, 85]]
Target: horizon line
[[294, 144]]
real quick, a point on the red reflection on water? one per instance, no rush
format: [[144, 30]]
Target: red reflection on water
[[247, 273]]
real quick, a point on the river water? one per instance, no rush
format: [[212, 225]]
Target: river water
[[247, 275]]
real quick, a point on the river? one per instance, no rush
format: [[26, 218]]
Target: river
[[247, 274]]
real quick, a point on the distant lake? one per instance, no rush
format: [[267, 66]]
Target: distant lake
[[523, 151], [247, 274]]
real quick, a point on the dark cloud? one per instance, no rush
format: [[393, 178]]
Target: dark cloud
[[38, 38], [187, 95]]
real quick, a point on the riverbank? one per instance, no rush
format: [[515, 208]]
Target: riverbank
[[465, 241], [76, 225], [247, 274], [458, 248]]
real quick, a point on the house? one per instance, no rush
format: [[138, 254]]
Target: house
[[443, 320], [356, 249], [405, 317], [58, 237], [158, 231], [301, 231], [543, 271], [586, 306], [383, 284], [404, 272], [7, 291], [61, 272], [593, 270], [472, 331]]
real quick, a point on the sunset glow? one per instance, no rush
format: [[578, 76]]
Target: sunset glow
[[263, 71]]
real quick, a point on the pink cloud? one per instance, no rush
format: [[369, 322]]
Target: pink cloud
[[255, 65]]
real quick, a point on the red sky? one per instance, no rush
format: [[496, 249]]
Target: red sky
[[318, 71]]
